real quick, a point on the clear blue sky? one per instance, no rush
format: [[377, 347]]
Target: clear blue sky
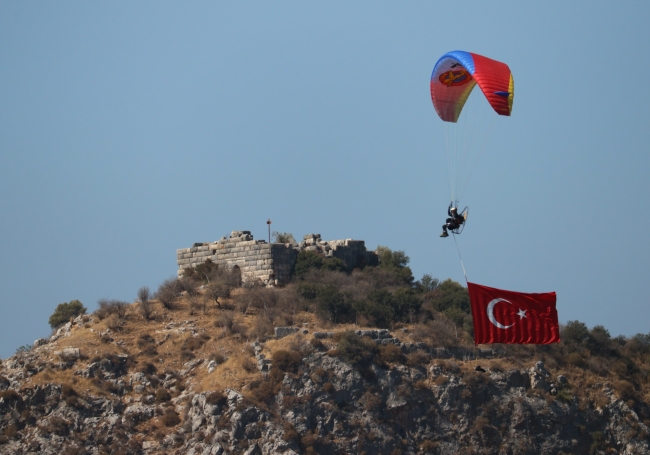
[[131, 129]]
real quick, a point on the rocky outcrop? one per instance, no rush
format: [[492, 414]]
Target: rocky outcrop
[[323, 405]]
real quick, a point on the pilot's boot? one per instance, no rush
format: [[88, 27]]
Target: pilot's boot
[[444, 234]]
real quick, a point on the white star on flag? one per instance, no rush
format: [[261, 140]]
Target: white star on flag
[[521, 313]]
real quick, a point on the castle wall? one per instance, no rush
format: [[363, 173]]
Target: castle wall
[[267, 263]]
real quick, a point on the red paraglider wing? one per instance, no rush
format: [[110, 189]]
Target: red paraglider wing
[[455, 75]]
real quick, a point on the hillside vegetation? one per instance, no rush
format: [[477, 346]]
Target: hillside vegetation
[[338, 361]]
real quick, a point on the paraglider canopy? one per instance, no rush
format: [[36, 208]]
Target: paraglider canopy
[[455, 75]]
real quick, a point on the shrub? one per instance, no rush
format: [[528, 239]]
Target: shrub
[[283, 237], [371, 401], [421, 385], [380, 308], [162, 395], [144, 294], [575, 332], [168, 293], [144, 305], [24, 348], [285, 361], [332, 304], [575, 359], [407, 304], [111, 307], [186, 355], [258, 297], [316, 343], [147, 368], [417, 358], [218, 289], [198, 304], [355, 349], [598, 442], [65, 311], [309, 260], [391, 354], [397, 262], [217, 357], [57, 426], [217, 398], [427, 283], [428, 446], [625, 390], [187, 285], [225, 320], [261, 328], [446, 296], [192, 343], [264, 391], [114, 323], [67, 391], [565, 396], [290, 433], [145, 341], [248, 365], [170, 418], [600, 341], [203, 272]]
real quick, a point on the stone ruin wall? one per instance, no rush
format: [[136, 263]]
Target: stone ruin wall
[[261, 262]]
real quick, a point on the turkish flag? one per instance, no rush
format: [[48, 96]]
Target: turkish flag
[[513, 317]]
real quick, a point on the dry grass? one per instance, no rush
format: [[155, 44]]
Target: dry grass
[[170, 332]]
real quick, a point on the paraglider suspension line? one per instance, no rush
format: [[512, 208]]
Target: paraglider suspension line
[[459, 257]]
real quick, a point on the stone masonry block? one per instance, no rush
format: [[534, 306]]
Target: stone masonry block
[[247, 243]]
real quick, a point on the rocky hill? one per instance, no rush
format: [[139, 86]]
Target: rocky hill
[[295, 371]]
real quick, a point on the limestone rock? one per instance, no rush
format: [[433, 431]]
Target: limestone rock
[[40, 342], [281, 332]]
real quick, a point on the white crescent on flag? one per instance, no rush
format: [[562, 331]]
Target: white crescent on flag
[[490, 312]]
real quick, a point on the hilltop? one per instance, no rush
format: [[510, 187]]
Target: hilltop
[[366, 360]]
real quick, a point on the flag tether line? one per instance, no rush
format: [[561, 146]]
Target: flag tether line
[[459, 257]]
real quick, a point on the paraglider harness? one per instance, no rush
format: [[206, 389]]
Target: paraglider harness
[[456, 221]]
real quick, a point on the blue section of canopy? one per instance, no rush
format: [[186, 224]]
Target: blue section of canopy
[[462, 57]]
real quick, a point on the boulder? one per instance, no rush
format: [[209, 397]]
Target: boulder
[[40, 342], [214, 449], [281, 332], [138, 413], [253, 450], [69, 354]]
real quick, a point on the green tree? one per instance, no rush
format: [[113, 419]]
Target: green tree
[[381, 307], [600, 340], [331, 304], [447, 295], [407, 304], [65, 311], [389, 258], [427, 283], [307, 260], [575, 332], [395, 261]]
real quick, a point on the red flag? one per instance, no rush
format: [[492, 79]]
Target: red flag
[[513, 317]]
